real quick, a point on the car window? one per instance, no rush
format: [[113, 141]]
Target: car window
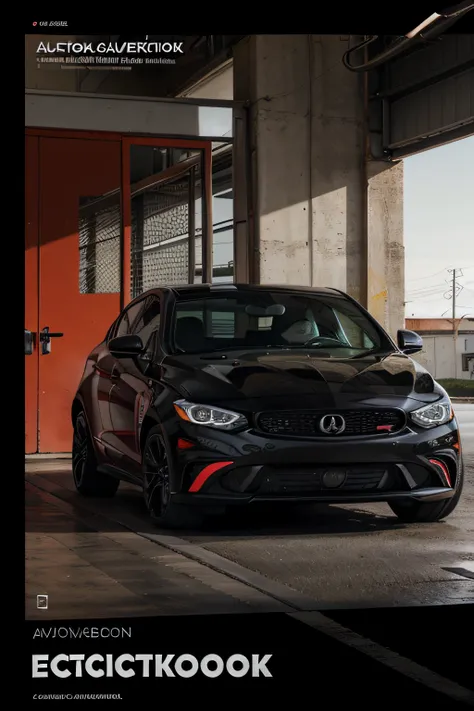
[[110, 332], [148, 321], [324, 322], [217, 323], [151, 347], [128, 318], [353, 332]]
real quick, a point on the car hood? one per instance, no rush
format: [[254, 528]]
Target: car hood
[[298, 380]]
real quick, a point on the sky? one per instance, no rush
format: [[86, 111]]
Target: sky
[[439, 230]]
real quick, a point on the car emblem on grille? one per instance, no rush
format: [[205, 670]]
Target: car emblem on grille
[[332, 424]]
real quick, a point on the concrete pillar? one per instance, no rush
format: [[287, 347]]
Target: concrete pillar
[[385, 250], [323, 214]]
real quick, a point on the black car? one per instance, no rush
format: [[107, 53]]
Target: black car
[[215, 395]]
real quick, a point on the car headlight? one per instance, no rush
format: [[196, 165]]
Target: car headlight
[[438, 413], [209, 415]]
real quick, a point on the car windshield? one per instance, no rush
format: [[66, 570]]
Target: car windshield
[[274, 320]]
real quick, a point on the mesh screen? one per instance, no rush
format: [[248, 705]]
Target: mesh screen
[[160, 239], [99, 248]]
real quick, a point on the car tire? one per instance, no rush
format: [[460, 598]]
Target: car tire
[[163, 510], [419, 512], [87, 479]]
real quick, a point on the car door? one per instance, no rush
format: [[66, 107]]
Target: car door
[[130, 393], [108, 368], [97, 388]]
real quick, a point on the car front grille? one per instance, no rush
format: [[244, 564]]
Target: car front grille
[[307, 423]]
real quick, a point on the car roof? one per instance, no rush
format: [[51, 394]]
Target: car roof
[[187, 290]]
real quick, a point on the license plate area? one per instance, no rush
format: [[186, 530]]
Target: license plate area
[[321, 480]]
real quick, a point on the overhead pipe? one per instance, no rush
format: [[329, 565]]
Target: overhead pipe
[[434, 25]]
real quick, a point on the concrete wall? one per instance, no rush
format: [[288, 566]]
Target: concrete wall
[[325, 214], [438, 356]]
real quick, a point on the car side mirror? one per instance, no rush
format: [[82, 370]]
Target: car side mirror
[[126, 346], [409, 342]]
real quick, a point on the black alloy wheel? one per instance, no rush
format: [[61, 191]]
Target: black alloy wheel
[[156, 479], [157, 486]]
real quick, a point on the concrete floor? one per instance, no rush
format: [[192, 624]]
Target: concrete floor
[[104, 558]]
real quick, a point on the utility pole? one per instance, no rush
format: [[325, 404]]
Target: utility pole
[[454, 289], [451, 294], [454, 296]]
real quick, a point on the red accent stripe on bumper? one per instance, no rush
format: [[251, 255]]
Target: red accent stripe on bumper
[[443, 468], [204, 475]]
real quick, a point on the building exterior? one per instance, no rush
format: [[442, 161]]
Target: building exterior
[[226, 157], [447, 352], [109, 214]]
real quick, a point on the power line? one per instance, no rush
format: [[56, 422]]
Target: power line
[[427, 277], [432, 292], [430, 276], [419, 292], [422, 294], [430, 297], [427, 286]]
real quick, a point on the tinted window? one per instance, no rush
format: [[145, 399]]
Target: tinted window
[[149, 320], [264, 319], [128, 319], [353, 331], [220, 322], [110, 332]]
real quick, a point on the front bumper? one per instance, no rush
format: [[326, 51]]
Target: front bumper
[[207, 499], [247, 467]]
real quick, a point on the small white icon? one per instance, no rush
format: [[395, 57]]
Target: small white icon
[[42, 602]]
